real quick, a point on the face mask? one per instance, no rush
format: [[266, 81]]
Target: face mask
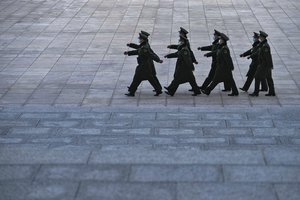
[[220, 41]]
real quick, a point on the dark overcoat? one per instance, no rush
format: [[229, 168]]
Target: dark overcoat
[[253, 64], [224, 64], [184, 65], [136, 46], [264, 59], [176, 46], [145, 58], [213, 52]]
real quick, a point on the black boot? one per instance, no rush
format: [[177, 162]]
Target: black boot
[[243, 89], [130, 94], [158, 93], [168, 93], [200, 88], [207, 92], [233, 94], [264, 90], [254, 94], [226, 90], [196, 92]]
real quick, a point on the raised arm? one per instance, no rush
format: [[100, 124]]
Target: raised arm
[[132, 53], [205, 48], [172, 55], [132, 45], [173, 46], [247, 53]]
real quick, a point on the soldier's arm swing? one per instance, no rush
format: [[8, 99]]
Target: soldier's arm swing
[[173, 46], [131, 53], [172, 55], [247, 53], [132, 45], [205, 48]]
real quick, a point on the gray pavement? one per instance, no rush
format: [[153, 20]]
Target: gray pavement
[[150, 153], [71, 52], [68, 132]]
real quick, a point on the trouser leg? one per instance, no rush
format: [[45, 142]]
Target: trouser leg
[[154, 84], [194, 86], [134, 85], [256, 86], [211, 86], [209, 78], [227, 86], [264, 85], [248, 82], [270, 83], [173, 87], [233, 85], [157, 82]]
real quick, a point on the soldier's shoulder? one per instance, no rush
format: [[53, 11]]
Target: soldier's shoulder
[[266, 47], [185, 51], [225, 49], [145, 48]]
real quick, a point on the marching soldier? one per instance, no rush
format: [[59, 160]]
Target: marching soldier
[[213, 49], [144, 69], [184, 33], [224, 68], [184, 68], [136, 46], [265, 65], [253, 66]]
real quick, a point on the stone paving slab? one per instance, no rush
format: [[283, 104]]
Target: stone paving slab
[[193, 191], [71, 52], [178, 157], [146, 153]]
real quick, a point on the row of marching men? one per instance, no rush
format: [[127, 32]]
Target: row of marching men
[[260, 68]]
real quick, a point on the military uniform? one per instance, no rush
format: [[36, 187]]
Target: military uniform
[[183, 70], [136, 46], [265, 66], [184, 33], [213, 50], [144, 69], [253, 66], [224, 68]]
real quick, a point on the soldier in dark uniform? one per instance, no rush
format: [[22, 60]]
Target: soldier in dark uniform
[[184, 33], [253, 66], [213, 49], [144, 69], [265, 65], [136, 46], [184, 68], [224, 68]]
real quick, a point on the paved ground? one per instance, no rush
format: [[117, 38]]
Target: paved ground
[[68, 132], [71, 52], [150, 153]]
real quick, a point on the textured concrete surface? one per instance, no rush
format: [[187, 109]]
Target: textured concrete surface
[[68, 132]]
